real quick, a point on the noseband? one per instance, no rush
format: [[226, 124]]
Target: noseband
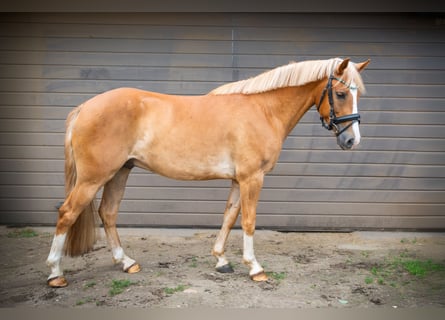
[[334, 121]]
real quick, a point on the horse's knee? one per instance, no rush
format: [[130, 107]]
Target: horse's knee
[[248, 227], [108, 218]]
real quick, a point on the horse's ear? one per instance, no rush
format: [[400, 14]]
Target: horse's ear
[[361, 66], [342, 66]]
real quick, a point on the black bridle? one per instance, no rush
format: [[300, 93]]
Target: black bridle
[[334, 121]]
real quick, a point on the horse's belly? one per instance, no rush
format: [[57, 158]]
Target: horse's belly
[[190, 168]]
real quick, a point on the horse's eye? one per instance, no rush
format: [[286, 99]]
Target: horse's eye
[[340, 95]]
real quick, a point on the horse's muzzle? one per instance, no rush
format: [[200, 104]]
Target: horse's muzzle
[[346, 140]]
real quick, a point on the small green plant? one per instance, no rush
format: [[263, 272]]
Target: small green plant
[[404, 254], [22, 233], [118, 286], [420, 268], [194, 263], [90, 284], [408, 241], [277, 275], [179, 288], [159, 273], [83, 301], [397, 269]]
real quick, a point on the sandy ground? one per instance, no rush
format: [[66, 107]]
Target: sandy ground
[[306, 270]]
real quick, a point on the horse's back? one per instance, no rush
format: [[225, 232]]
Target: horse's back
[[182, 137]]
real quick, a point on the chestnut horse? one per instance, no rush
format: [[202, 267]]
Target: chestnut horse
[[234, 132]]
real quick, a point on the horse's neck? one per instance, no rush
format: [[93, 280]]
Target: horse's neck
[[286, 106]]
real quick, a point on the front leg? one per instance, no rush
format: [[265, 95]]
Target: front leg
[[250, 192], [230, 216], [256, 271]]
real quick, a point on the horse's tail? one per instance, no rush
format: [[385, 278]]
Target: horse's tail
[[82, 234]]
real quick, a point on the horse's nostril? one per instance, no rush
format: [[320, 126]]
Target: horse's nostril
[[349, 143]]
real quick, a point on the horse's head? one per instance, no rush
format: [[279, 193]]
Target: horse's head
[[338, 103]]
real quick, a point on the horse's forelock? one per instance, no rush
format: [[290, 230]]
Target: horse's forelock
[[352, 76]]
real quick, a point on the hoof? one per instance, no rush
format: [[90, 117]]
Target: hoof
[[58, 282], [134, 268], [227, 268], [259, 277]]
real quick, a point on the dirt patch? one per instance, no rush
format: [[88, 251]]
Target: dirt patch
[[306, 270]]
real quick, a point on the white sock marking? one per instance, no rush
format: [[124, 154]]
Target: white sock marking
[[120, 257], [249, 256], [55, 255], [222, 261]]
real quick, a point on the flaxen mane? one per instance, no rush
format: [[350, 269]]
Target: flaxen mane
[[293, 74]]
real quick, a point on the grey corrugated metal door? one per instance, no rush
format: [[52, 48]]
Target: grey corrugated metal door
[[52, 62]]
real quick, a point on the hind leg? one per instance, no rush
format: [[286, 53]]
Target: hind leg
[[56, 278], [112, 196], [80, 197]]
